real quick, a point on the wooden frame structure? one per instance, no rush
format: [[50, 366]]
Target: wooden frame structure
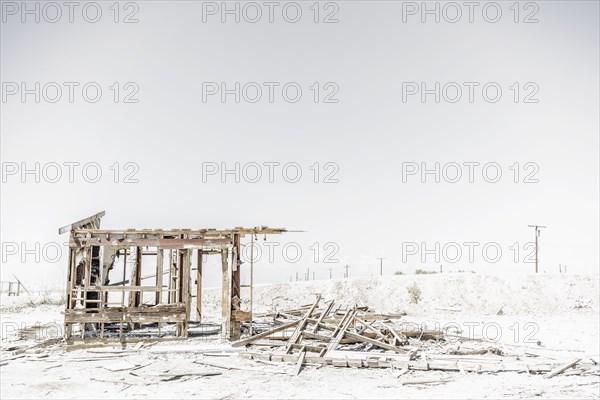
[[92, 301]]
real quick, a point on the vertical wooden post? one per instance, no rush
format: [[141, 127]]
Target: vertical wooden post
[[252, 282], [160, 256], [87, 271], [70, 278], [121, 335], [199, 288], [185, 288], [236, 296], [226, 294], [136, 279], [170, 286]]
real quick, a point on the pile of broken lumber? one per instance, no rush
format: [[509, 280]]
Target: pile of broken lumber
[[355, 336]]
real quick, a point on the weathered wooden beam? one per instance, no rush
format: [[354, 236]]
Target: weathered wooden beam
[[265, 334], [160, 259], [226, 294], [177, 232], [374, 342], [82, 222], [199, 287], [297, 332], [562, 368], [162, 243]]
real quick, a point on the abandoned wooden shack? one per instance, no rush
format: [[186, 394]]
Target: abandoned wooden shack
[[98, 300]]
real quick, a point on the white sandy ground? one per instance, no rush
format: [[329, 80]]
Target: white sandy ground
[[561, 311]]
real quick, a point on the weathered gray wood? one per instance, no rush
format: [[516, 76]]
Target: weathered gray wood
[[254, 338], [300, 327], [374, 342], [300, 361], [562, 368]]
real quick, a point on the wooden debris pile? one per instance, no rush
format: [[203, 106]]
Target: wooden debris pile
[[357, 337]]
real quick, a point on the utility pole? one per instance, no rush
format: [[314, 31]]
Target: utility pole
[[440, 268], [559, 269], [380, 265], [307, 274], [313, 276], [296, 276], [346, 274], [537, 234], [330, 269]]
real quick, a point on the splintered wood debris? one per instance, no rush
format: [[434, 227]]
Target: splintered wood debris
[[355, 336]]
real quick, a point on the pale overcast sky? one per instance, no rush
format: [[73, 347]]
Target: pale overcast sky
[[368, 122]]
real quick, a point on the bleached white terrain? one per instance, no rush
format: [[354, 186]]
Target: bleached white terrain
[[559, 312]]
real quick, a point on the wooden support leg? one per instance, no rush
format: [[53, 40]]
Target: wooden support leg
[[236, 294], [199, 288], [226, 295], [160, 256], [69, 294], [185, 288]]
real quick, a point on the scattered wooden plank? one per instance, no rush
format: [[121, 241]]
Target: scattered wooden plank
[[395, 334], [377, 343], [323, 314], [428, 382], [300, 326], [254, 338], [372, 329], [300, 361], [12, 358], [230, 367], [171, 377], [340, 331], [562, 368]]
